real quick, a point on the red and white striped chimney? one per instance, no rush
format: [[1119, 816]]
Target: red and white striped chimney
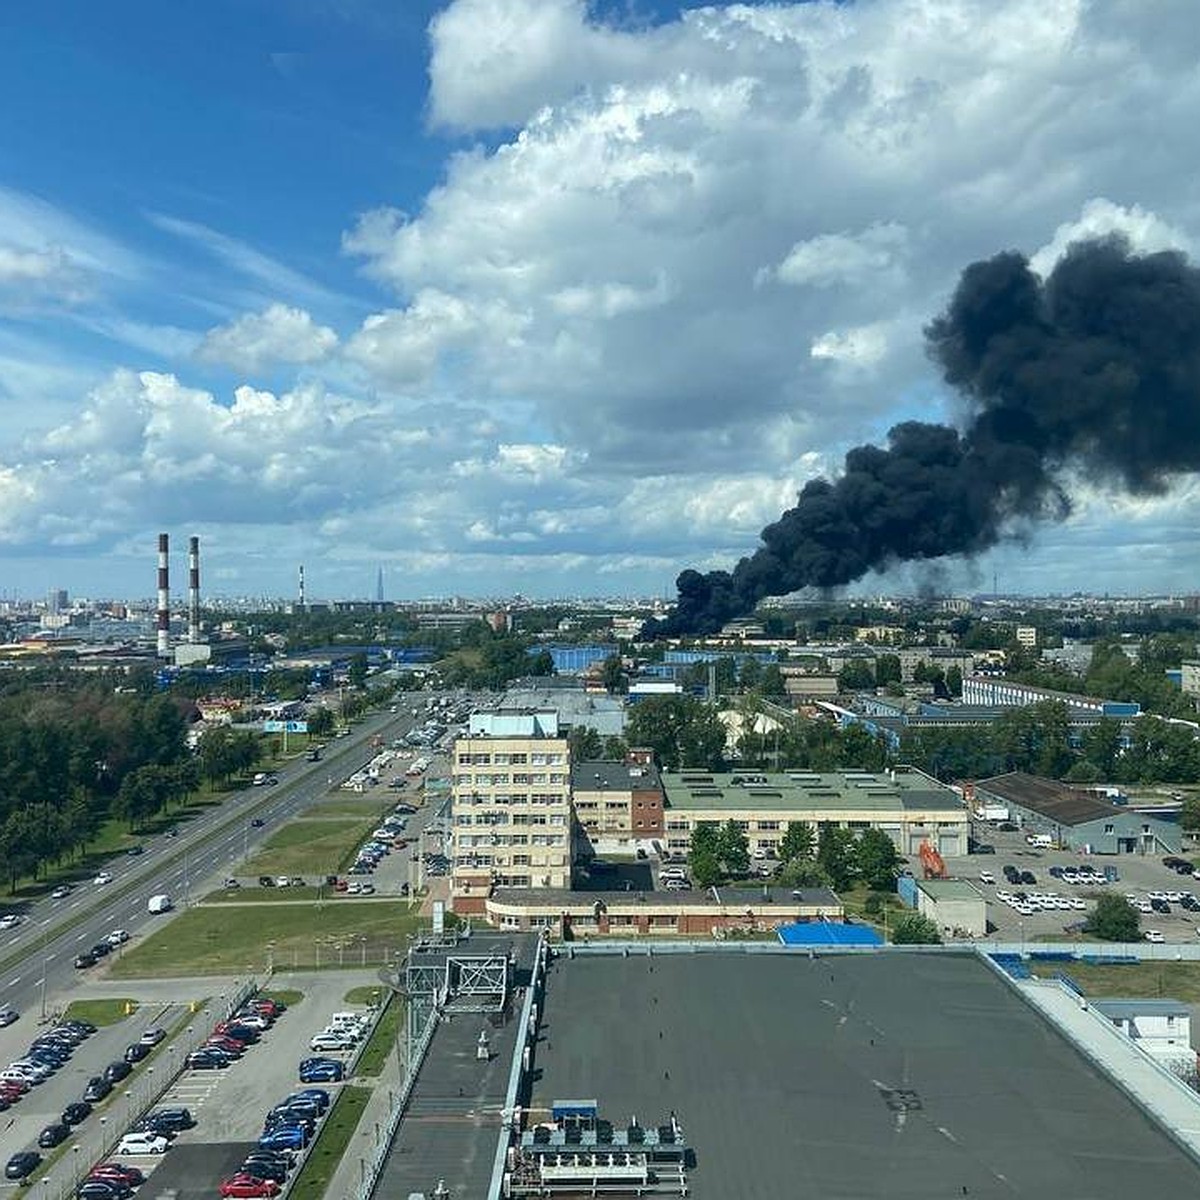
[[194, 590], [164, 597]]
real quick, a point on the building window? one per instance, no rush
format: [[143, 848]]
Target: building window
[[1108, 829]]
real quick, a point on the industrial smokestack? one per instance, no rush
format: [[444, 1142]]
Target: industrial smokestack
[[301, 598], [194, 590], [1094, 369], [164, 596]]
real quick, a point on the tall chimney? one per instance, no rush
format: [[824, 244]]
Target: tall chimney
[[301, 600], [194, 590], [164, 598]]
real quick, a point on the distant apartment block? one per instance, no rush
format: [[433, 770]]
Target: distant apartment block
[[618, 804], [511, 791]]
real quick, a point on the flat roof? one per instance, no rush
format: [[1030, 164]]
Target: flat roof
[[614, 775], [949, 889], [897, 1076], [808, 791], [1116, 1006], [727, 897]]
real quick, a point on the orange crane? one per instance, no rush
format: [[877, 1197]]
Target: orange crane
[[932, 862]]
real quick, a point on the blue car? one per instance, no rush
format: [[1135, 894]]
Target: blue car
[[288, 1137], [319, 1096], [322, 1070]]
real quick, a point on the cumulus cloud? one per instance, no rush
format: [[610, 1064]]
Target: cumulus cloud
[[278, 334]]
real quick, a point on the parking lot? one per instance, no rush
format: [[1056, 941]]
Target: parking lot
[[1139, 877], [43, 1104]]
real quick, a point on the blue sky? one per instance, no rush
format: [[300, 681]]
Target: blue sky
[[531, 295]]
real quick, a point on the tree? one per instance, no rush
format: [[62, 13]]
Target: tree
[[1189, 818], [836, 852], [750, 675], [1114, 919], [954, 681], [612, 674], [357, 671], [585, 744], [878, 860], [704, 856], [798, 843], [856, 676], [802, 873], [913, 929], [771, 683], [320, 722], [887, 669], [681, 730], [733, 849]]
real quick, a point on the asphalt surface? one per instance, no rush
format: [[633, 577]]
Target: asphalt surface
[[892, 1076], [44, 945]]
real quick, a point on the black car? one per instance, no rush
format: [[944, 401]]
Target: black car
[[266, 881], [116, 1071], [107, 1188], [84, 960], [258, 822], [206, 1060], [100, 950], [148, 1124], [1160, 906], [47, 1052], [134, 851], [264, 1170], [74, 1113], [136, 1052], [53, 1135], [82, 1028], [1028, 877], [21, 1164], [177, 1119], [97, 1088]]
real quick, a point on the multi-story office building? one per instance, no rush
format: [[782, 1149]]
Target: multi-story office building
[[513, 824]]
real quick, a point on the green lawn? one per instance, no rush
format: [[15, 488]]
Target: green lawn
[[383, 1039], [336, 1131], [288, 996], [371, 806], [228, 939], [1144, 980], [100, 1012], [367, 994], [309, 847]]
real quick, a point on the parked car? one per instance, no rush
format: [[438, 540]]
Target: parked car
[[97, 1088], [287, 1138], [132, 1175], [331, 1041], [118, 937], [248, 1186], [116, 1071], [206, 1060], [8, 1015], [103, 1189], [136, 1052], [84, 960], [22, 1164], [319, 1096], [322, 1070], [73, 1114], [263, 1169], [142, 1142], [152, 1036], [53, 1135], [176, 1117]]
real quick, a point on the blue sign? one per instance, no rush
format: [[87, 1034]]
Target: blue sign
[[285, 727]]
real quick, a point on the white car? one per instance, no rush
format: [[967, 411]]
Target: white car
[[986, 877], [1153, 935], [9, 921], [331, 1041], [103, 877], [142, 1143], [118, 937]]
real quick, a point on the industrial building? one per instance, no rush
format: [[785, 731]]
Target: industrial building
[[1077, 820], [511, 791], [1007, 693], [908, 805], [1161, 1029], [955, 906]]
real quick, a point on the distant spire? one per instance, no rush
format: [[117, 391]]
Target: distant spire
[[379, 584]]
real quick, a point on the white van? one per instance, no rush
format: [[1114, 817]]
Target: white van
[[158, 904], [1043, 841]]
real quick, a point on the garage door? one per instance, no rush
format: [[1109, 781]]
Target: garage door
[[948, 844]]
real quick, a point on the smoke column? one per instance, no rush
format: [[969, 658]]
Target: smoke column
[[194, 590], [1096, 369], [164, 597]]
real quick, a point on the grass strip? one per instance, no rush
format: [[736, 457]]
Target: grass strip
[[327, 1151], [383, 1038], [367, 994], [101, 1012], [1152, 979], [288, 996]]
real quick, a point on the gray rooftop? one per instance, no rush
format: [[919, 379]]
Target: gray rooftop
[[808, 791], [729, 897], [1116, 1006], [613, 775], [894, 1076]]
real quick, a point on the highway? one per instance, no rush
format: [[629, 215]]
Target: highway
[[38, 954]]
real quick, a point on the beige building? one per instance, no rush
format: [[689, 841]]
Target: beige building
[[909, 806], [1190, 677], [1027, 636], [512, 806]]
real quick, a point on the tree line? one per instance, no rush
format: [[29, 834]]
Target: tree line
[[74, 752]]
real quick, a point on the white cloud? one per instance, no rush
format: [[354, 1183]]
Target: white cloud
[[1146, 232], [278, 334], [860, 260]]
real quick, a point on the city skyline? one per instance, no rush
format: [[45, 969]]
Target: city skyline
[[538, 296]]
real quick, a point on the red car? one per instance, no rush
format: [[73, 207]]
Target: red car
[[119, 1171], [225, 1043], [267, 1005], [248, 1185], [222, 1030]]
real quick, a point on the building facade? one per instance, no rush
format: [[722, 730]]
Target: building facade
[[511, 792], [618, 805], [908, 805]]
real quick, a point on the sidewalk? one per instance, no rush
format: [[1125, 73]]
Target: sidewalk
[[348, 1178]]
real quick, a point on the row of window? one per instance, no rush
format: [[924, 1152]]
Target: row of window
[[506, 798], [505, 839], [484, 780], [511, 760]]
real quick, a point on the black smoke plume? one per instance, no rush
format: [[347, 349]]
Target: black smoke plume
[[1096, 369]]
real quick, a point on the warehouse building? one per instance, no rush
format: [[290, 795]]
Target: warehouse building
[[908, 805], [955, 906], [1075, 819]]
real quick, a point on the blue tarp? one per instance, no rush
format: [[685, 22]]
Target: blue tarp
[[828, 933]]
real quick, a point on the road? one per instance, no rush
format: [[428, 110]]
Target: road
[[40, 952]]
